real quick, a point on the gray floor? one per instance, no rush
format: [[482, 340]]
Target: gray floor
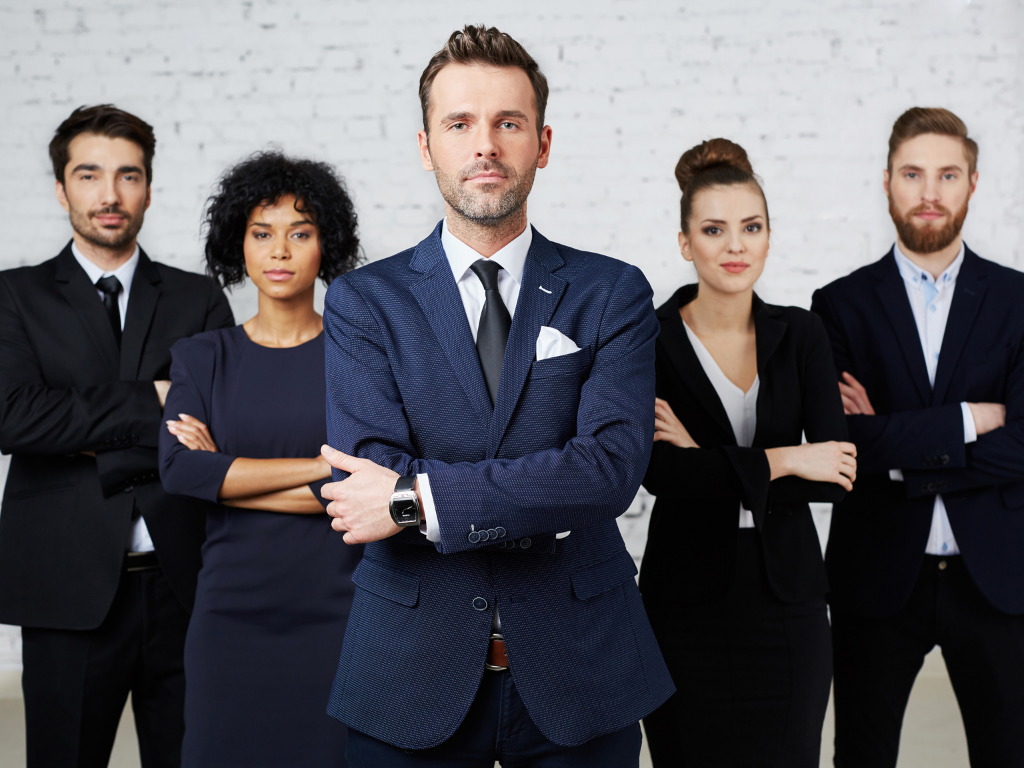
[[933, 735]]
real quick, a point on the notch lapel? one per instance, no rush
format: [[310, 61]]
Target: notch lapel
[[142, 301], [534, 308], [893, 294], [768, 332], [438, 297], [967, 299], [73, 284]]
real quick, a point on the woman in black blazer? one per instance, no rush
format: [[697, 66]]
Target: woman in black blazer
[[732, 577]]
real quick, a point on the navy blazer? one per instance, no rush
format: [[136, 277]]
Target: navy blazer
[[564, 449], [879, 532]]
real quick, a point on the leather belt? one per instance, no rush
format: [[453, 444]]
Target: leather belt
[[140, 561], [497, 658]]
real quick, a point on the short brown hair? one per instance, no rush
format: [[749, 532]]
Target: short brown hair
[[917, 121], [484, 45], [103, 120]]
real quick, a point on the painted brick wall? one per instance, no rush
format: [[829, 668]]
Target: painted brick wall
[[809, 88]]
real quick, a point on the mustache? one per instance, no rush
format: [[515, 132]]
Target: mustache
[[482, 166], [925, 208], [111, 209]]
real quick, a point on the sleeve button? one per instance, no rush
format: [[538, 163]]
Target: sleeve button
[[501, 532], [525, 543], [474, 537]]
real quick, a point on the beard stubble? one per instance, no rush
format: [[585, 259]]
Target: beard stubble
[[479, 208], [83, 224], [927, 239]]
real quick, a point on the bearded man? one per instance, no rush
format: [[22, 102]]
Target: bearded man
[[927, 549], [491, 394], [97, 564]]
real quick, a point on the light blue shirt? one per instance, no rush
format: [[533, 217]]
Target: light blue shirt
[[930, 301]]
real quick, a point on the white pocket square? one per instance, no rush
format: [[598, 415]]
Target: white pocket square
[[553, 343]]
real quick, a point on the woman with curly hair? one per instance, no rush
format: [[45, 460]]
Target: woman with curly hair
[[248, 421]]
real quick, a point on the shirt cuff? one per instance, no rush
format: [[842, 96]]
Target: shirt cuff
[[970, 429], [428, 525], [896, 474]]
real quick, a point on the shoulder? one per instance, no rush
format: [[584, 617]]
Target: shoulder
[[26, 277], [587, 267], [384, 275], [184, 280], [1005, 280], [205, 347]]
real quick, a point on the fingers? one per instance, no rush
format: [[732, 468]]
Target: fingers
[[195, 438], [850, 407], [849, 379], [340, 460], [848, 448]]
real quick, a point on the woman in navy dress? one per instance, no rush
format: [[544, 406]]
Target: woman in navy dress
[[248, 409]]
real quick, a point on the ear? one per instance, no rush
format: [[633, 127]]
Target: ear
[[974, 182], [424, 144], [545, 147], [62, 196], [684, 247], [149, 196], [885, 181]]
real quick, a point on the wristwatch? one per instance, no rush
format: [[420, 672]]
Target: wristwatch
[[405, 507]]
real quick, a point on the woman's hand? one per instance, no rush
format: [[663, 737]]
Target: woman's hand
[[668, 428], [192, 433], [831, 462]]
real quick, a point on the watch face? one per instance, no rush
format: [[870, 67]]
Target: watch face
[[405, 511]]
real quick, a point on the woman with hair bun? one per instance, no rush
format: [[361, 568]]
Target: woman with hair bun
[[732, 577], [247, 409]]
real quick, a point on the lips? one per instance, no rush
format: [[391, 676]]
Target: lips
[[735, 266], [279, 275], [487, 178], [110, 219]]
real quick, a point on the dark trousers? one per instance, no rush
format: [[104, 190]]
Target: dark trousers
[[498, 727], [876, 661], [76, 682]]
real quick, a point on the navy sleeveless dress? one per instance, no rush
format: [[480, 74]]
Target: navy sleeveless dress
[[275, 589]]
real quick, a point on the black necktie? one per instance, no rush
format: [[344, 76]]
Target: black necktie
[[111, 288], [495, 322]]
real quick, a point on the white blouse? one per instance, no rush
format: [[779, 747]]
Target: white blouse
[[740, 406]]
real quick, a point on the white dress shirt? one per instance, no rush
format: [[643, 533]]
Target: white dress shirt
[[930, 300], [138, 539], [740, 406]]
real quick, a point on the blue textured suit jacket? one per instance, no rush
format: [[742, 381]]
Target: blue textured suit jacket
[[879, 531], [564, 448]]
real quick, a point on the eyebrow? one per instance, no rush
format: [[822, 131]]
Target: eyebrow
[[452, 117], [742, 221], [95, 167], [911, 167], [293, 224]]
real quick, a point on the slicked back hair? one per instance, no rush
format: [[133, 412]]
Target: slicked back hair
[[918, 121], [103, 120], [484, 45]]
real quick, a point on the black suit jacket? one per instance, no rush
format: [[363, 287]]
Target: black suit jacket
[[65, 389], [876, 545], [691, 544]]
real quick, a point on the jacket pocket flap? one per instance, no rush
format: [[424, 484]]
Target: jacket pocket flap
[[600, 578], [1013, 495], [397, 586], [561, 365]]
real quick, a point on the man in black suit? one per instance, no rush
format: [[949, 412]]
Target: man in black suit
[[927, 549], [97, 564]]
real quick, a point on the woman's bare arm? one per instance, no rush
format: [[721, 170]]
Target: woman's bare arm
[[297, 501]]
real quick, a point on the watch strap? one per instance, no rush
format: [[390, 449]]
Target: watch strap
[[405, 484]]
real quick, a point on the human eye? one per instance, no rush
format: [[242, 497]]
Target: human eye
[[711, 231], [910, 175], [458, 126], [949, 176], [753, 228], [508, 125]]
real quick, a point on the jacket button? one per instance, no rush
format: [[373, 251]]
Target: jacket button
[[474, 537], [525, 543], [942, 565], [945, 459], [479, 604], [500, 531], [484, 536], [492, 534]]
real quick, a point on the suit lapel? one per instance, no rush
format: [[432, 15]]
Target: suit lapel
[[893, 294], [142, 301], [769, 331], [438, 297], [539, 294], [73, 284], [676, 343], [967, 299]]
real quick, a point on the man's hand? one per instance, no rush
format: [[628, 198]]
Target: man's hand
[[360, 504], [162, 388], [988, 416], [855, 397]]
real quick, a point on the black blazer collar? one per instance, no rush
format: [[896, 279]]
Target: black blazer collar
[[769, 328]]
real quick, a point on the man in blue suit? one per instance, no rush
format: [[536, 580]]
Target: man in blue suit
[[927, 549], [491, 396]]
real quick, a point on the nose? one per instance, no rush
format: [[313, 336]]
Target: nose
[[281, 250], [109, 196], [930, 193], [735, 242], [487, 145]]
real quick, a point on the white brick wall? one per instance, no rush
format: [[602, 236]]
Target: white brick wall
[[809, 88]]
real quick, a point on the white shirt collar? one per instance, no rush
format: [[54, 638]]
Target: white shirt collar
[[915, 275], [124, 273], [512, 257]]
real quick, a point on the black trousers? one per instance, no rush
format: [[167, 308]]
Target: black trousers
[[752, 675], [876, 661], [76, 682]]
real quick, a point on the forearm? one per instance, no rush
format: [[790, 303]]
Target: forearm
[[996, 458], [256, 477], [909, 440], [298, 501], [700, 474], [46, 420]]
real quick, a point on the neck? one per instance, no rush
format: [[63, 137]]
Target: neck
[[486, 239], [712, 312], [107, 259], [934, 263], [285, 322]]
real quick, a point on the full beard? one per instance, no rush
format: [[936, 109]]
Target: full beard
[[101, 237], [927, 239], [479, 207]]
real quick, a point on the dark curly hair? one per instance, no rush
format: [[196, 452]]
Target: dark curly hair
[[266, 177]]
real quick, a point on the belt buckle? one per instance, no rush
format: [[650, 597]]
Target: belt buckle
[[487, 665]]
